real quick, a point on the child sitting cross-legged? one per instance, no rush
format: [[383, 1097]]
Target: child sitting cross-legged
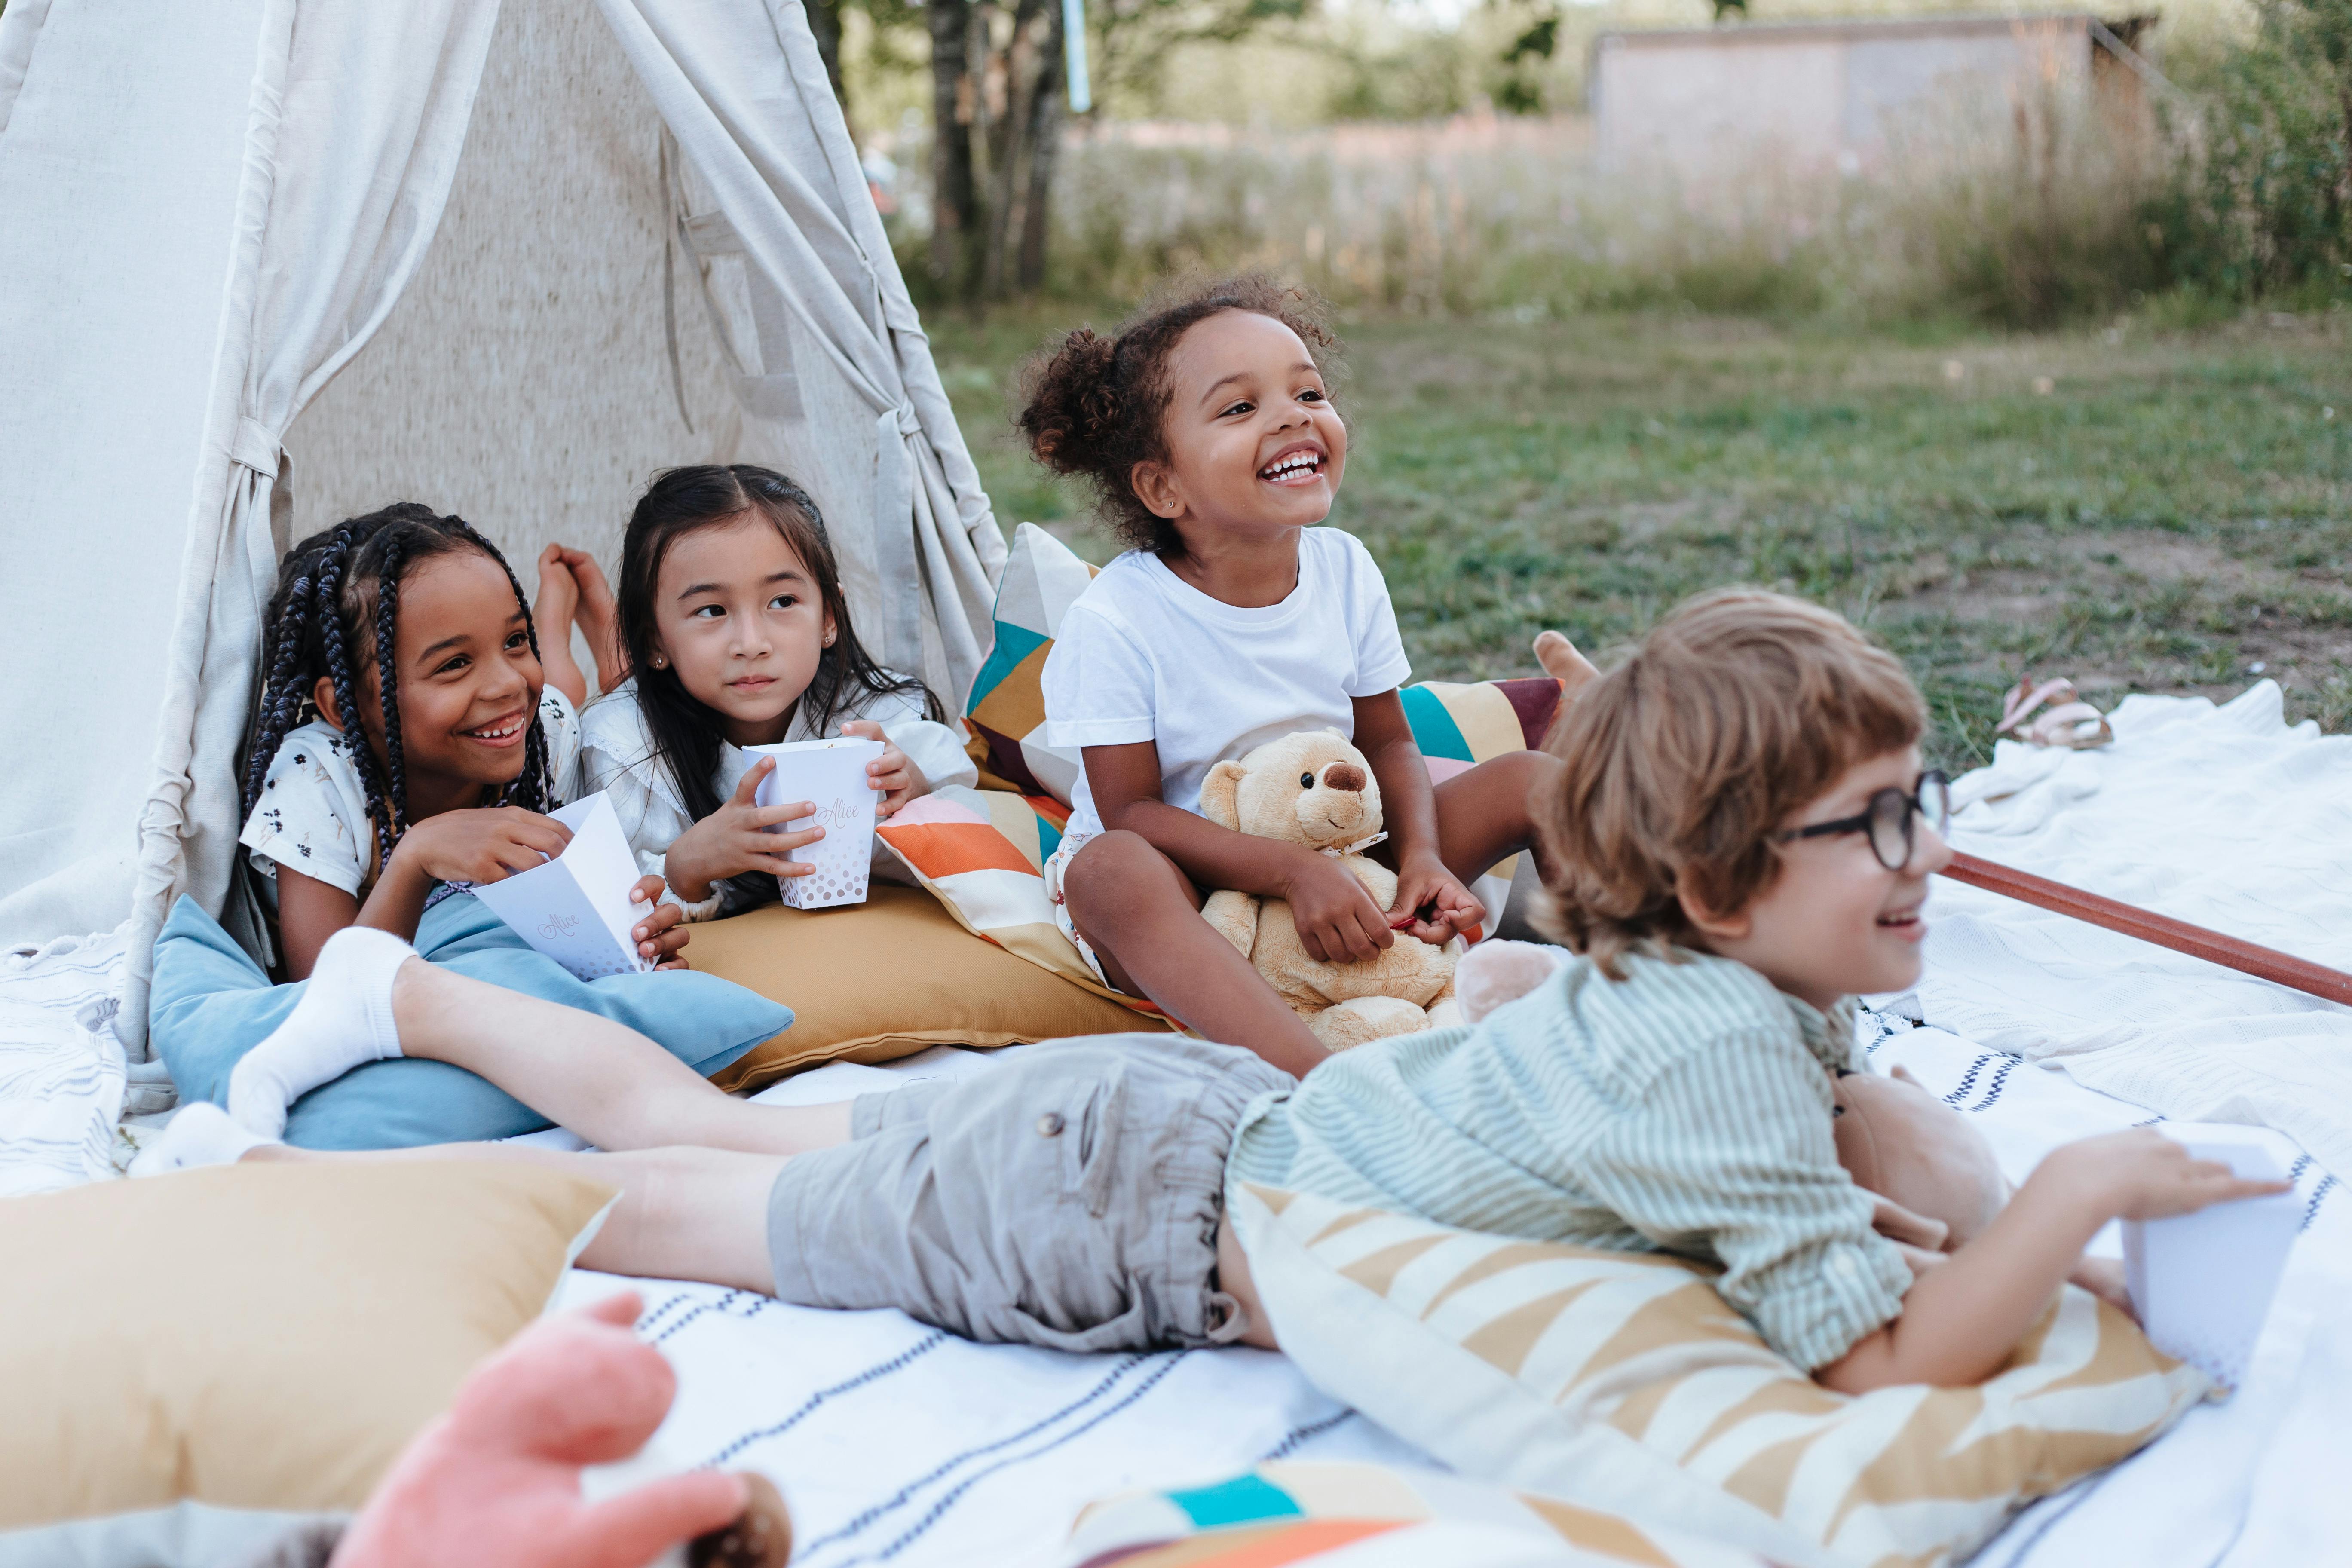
[[1206, 428], [1742, 840]]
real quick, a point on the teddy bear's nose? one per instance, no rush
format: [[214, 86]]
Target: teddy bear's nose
[[1344, 775]]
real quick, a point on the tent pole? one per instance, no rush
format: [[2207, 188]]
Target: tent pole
[[2246, 957]]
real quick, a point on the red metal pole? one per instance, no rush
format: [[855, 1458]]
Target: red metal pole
[[2262, 962]]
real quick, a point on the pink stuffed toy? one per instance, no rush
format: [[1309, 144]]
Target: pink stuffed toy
[[497, 1480]]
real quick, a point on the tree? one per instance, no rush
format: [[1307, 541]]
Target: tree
[[998, 102]]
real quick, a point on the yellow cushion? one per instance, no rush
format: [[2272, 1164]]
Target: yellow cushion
[[261, 1335], [1622, 1382], [873, 982]]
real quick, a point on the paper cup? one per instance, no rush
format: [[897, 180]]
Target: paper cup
[[831, 774]]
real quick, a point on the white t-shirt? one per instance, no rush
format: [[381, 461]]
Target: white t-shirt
[[617, 757], [312, 815], [1142, 655]]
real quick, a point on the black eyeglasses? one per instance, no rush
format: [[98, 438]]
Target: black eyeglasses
[[1888, 817]]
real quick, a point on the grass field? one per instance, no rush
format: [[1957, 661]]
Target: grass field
[[2144, 511]]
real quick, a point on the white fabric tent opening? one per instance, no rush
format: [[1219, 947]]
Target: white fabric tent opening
[[270, 263]]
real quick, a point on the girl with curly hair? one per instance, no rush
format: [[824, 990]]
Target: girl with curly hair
[[1207, 429]]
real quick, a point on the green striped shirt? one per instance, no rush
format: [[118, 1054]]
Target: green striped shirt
[[1684, 1108]]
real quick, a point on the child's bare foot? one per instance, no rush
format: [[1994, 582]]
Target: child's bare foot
[[600, 617], [1563, 663]]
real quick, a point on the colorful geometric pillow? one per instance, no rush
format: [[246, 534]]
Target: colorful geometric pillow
[[1005, 710], [980, 852], [1622, 1382], [1369, 1516]]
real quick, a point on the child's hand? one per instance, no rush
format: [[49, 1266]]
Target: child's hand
[[1338, 922], [734, 840], [893, 773], [2104, 1278], [2143, 1175], [662, 933], [1425, 883], [484, 844]]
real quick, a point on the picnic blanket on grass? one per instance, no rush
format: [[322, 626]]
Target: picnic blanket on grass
[[898, 1444]]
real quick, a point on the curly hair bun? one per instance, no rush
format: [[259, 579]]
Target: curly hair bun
[[1093, 406]]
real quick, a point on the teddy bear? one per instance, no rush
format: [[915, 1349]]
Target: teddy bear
[[1314, 788]]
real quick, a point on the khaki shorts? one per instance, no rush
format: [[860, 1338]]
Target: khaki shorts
[[1070, 1198]]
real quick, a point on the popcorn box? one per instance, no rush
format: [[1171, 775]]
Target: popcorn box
[[831, 774], [575, 908], [2202, 1282]]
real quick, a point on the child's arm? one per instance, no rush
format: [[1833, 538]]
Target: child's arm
[[1408, 808], [1338, 922], [552, 611], [1964, 1317], [309, 913], [484, 843]]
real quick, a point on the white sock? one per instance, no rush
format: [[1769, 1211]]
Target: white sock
[[202, 1133], [343, 1021]]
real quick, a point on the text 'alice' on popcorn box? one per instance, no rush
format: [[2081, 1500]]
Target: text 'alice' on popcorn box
[[830, 776]]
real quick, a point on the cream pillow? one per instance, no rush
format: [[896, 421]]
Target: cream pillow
[[1622, 1382], [263, 1336]]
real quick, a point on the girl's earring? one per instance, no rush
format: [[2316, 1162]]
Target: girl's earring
[[660, 663], [828, 640]]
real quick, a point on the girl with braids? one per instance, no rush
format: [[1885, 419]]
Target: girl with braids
[[438, 747], [733, 618], [1206, 428], [406, 744]]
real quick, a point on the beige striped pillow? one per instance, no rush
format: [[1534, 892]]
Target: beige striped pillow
[[1622, 1382]]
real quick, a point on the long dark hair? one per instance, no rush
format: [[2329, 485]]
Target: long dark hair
[[334, 613], [686, 733]]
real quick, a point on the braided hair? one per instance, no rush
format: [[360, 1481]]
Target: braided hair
[[335, 612], [687, 734]]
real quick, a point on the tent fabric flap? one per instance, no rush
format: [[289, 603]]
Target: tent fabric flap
[[358, 119], [743, 91]]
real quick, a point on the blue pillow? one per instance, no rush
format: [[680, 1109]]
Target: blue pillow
[[211, 1003]]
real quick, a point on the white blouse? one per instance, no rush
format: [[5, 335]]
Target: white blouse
[[617, 757], [312, 815]]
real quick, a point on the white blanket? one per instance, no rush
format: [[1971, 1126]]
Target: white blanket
[[2223, 817], [61, 1067]]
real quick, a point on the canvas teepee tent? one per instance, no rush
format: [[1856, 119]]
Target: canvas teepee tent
[[265, 263]]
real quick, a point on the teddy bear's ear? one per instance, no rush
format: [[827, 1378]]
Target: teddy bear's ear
[[1221, 794]]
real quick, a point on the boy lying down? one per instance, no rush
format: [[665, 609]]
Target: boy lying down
[[1741, 842]]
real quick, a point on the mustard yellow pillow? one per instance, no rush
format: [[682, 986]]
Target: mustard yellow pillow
[[259, 1336], [897, 974], [1622, 1382]]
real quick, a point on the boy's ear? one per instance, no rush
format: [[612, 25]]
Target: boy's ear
[[1221, 794], [1707, 922], [1155, 487], [323, 694]]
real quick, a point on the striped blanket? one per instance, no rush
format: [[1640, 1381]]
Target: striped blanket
[[896, 1443]]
